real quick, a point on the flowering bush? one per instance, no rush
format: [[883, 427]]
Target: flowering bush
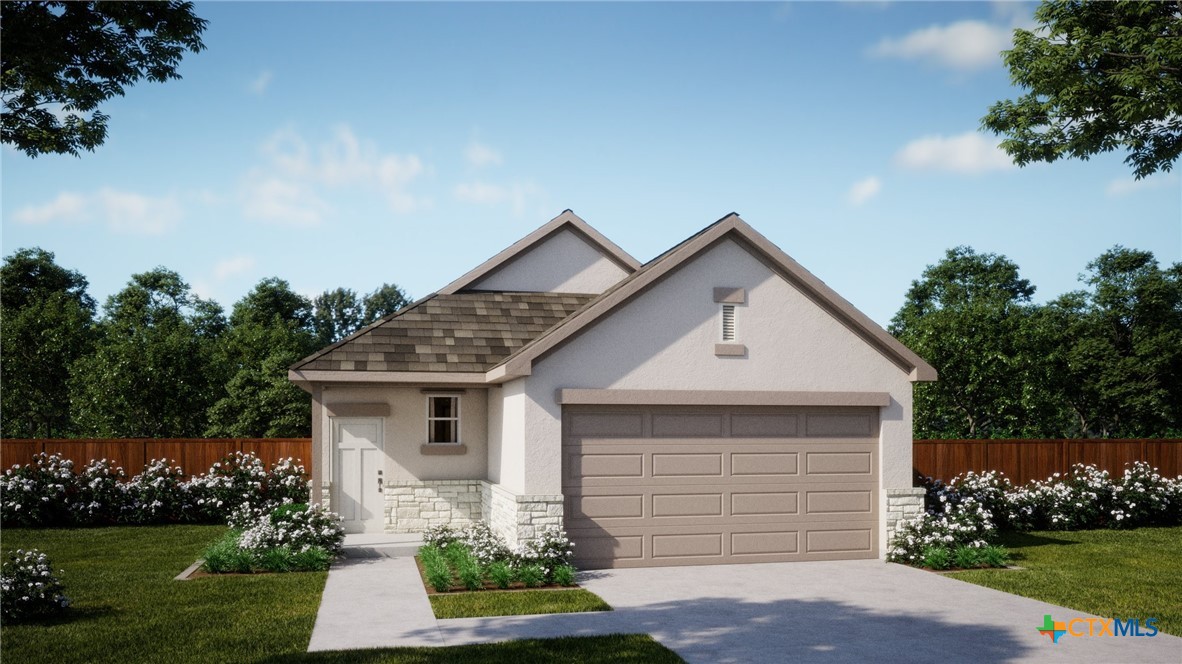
[[291, 537], [550, 550], [964, 523], [158, 494], [475, 556], [100, 497], [47, 492], [28, 587], [37, 493], [485, 545], [439, 536]]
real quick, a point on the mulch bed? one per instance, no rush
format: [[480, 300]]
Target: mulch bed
[[489, 586]]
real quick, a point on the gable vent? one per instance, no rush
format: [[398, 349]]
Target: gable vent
[[728, 322]]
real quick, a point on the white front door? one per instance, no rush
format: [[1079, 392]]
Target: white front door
[[358, 463]]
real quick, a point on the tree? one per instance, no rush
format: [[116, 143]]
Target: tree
[[47, 320], [1122, 374], [270, 329], [1101, 76], [964, 316], [338, 313], [153, 372], [382, 302], [79, 55]]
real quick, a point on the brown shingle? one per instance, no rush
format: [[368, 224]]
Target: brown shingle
[[470, 331]]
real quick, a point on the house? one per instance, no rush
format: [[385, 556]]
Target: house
[[716, 404]]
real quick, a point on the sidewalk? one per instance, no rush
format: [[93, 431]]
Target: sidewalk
[[374, 598]]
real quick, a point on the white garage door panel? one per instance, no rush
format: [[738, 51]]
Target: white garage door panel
[[668, 486]]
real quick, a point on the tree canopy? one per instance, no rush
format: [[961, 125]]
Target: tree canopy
[[1100, 76], [74, 56]]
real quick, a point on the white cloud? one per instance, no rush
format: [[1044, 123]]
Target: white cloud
[[480, 155], [864, 190], [232, 266], [1127, 186], [261, 82], [969, 152], [964, 45], [290, 187], [123, 211], [67, 206], [517, 195]]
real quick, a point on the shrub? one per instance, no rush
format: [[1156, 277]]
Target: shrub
[[158, 495], [299, 527], [439, 536], [963, 523], [532, 575], [995, 556], [484, 544], [28, 587], [1144, 497], [101, 495], [37, 494], [501, 574], [313, 559], [549, 550], [438, 574], [564, 575], [935, 557], [471, 574], [226, 557]]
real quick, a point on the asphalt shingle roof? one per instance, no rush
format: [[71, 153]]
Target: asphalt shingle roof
[[469, 331]]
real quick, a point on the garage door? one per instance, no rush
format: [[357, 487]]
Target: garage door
[[699, 486]]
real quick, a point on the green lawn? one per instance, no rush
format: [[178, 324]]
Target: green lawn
[[1111, 573], [515, 603], [128, 608], [625, 648]]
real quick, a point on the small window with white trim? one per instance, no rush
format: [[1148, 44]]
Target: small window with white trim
[[443, 419], [728, 322]]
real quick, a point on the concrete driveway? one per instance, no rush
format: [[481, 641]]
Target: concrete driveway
[[850, 611]]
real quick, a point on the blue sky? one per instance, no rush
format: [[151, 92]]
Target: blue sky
[[355, 144]]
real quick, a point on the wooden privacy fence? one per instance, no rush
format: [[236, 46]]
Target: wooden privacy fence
[[193, 455], [1026, 460]]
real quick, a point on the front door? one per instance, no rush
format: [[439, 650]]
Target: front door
[[359, 460]]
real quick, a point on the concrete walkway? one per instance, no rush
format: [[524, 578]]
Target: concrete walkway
[[827, 612]]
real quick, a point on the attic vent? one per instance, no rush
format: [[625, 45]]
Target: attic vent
[[728, 322]]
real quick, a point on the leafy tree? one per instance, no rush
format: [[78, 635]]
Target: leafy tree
[[964, 315], [79, 55], [47, 319], [153, 372], [1100, 76], [1122, 345], [270, 329], [382, 302], [338, 313]]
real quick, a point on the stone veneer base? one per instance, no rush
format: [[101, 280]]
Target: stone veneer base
[[901, 504]]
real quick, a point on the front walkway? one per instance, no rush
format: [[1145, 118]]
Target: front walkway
[[849, 611]]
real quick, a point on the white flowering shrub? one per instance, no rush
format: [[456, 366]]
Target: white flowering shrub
[[550, 550], [439, 536], [963, 523], [485, 545], [28, 587], [37, 493], [100, 497], [297, 526], [47, 492], [158, 495]]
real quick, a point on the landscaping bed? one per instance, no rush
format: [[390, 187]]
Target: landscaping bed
[[609, 649]]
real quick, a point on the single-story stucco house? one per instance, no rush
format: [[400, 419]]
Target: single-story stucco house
[[717, 404]]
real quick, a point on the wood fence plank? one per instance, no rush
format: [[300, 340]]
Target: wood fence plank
[[1025, 460], [193, 455]]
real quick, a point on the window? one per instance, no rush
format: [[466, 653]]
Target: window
[[728, 322], [443, 419]]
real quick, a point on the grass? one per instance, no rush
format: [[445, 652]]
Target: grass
[[126, 607], [610, 649], [515, 603], [1111, 573]]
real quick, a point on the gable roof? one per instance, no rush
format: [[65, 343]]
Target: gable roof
[[566, 221], [732, 227], [453, 333]]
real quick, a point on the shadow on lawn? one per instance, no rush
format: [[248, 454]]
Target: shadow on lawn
[[1013, 539]]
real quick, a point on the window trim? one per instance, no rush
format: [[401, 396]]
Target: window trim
[[458, 418]]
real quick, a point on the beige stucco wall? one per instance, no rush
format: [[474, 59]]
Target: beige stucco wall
[[564, 263], [405, 430], [664, 339], [506, 457]]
